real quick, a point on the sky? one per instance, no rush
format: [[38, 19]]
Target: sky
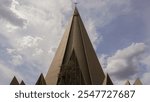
[[30, 32]]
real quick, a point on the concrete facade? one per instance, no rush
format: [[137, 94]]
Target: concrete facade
[[75, 41]]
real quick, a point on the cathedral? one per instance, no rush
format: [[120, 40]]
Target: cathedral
[[75, 61]]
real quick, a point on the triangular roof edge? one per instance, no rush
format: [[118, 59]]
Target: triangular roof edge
[[41, 80], [14, 81], [22, 83], [137, 82]]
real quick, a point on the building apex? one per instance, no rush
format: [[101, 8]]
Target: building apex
[[75, 3], [76, 13]]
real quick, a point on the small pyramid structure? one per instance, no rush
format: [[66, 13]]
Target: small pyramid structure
[[41, 80], [22, 83], [127, 82], [75, 61], [107, 80], [14, 81], [137, 82]]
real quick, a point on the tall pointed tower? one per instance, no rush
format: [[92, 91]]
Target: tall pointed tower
[[75, 62]]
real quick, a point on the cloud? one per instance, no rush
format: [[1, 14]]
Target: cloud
[[146, 60], [7, 73], [7, 14], [17, 60], [104, 11], [125, 63], [103, 60], [29, 41], [145, 78], [31, 48], [38, 52], [95, 37]]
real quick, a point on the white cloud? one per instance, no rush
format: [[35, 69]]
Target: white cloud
[[103, 60], [125, 63], [95, 37], [38, 52], [29, 41], [10, 50], [28, 46], [17, 60]]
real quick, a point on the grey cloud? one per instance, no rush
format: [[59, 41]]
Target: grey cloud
[[5, 2], [7, 14], [145, 78]]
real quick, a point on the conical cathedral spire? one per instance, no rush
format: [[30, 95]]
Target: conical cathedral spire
[[75, 61]]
